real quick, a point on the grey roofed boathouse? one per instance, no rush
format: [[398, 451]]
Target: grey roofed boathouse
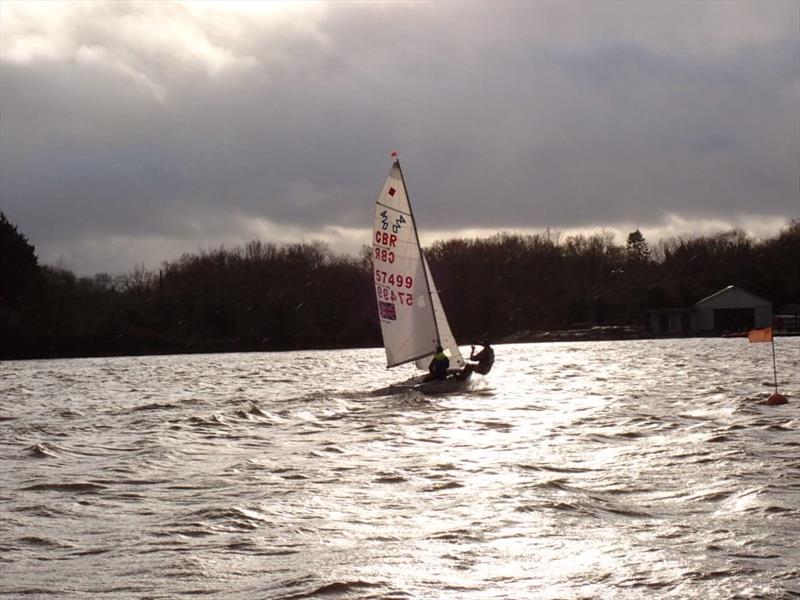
[[731, 309]]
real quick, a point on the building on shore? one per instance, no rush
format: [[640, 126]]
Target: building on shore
[[730, 310], [787, 321]]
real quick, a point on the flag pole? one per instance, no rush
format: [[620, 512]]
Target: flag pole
[[774, 367]]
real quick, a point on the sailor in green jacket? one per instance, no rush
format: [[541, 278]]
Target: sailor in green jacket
[[439, 365]]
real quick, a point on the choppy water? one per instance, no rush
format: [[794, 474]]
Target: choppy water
[[594, 470]]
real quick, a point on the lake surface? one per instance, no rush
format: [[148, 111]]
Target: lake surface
[[646, 469]]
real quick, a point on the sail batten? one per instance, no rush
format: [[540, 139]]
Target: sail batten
[[412, 318]]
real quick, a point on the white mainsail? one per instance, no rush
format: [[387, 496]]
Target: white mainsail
[[412, 318]]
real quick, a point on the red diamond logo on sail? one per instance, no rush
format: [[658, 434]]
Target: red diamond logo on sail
[[387, 311], [392, 191]]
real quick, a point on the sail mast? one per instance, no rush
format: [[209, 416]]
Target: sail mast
[[422, 256]]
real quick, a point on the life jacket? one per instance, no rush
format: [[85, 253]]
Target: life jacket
[[439, 365]]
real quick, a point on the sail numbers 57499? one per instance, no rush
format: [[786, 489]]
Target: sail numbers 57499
[[399, 281]]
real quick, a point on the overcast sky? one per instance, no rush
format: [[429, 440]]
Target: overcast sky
[[131, 133]]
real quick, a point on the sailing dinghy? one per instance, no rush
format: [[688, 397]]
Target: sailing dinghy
[[413, 322]]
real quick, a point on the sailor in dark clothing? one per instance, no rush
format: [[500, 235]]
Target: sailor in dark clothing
[[485, 360], [439, 365]]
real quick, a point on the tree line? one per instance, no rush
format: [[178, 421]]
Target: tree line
[[264, 296]]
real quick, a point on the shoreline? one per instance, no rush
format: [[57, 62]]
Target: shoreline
[[612, 333], [599, 333]]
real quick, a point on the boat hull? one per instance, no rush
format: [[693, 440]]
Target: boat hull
[[451, 385]]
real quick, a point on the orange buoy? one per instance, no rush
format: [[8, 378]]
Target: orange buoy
[[776, 399]]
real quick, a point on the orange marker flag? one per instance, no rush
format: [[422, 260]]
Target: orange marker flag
[[760, 335]]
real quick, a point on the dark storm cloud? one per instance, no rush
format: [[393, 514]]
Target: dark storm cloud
[[157, 128]]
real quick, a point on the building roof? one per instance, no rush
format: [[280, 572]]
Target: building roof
[[733, 289]]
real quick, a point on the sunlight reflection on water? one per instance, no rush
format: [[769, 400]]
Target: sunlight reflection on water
[[619, 470]]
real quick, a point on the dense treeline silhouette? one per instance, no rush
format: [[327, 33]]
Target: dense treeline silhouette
[[511, 283], [267, 297]]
